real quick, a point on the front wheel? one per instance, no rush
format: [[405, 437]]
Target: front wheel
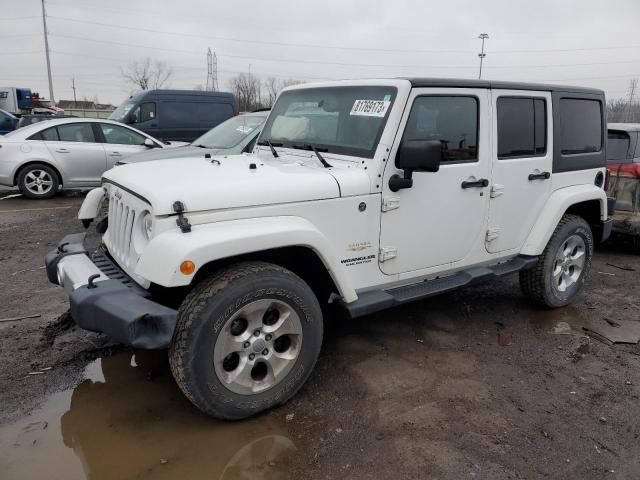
[[561, 270], [246, 340]]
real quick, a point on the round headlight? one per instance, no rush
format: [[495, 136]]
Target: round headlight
[[146, 223]]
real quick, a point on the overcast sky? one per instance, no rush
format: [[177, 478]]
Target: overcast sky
[[582, 42]]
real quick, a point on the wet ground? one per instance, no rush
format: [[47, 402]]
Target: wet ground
[[474, 384]]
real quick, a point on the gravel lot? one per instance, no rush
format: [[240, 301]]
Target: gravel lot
[[422, 391]]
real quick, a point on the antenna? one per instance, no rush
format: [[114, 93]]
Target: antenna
[[483, 37]]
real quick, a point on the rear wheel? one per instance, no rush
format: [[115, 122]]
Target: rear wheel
[[38, 181], [246, 340], [561, 270]]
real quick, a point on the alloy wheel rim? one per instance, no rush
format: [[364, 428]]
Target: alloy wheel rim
[[258, 346], [38, 182], [569, 263]]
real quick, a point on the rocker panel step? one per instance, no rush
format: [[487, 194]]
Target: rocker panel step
[[376, 300]]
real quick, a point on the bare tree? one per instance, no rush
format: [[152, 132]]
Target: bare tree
[[147, 74], [620, 110], [246, 87], [273, 86]]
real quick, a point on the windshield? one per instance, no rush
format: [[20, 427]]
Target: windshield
[[120, 113], [344, 120], [230, 133]]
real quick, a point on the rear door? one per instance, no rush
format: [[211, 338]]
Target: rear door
[[120, 142], [522, 164], [77, 152]]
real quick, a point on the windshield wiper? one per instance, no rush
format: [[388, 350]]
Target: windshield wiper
[[315, 150], [270, 145]]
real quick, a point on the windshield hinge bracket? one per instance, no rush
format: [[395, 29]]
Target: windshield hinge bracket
[[390, 203], [387, 253]]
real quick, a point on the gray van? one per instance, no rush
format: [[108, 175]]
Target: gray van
[[181, 115]]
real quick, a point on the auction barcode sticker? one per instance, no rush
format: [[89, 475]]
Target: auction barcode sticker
[[370, 108]]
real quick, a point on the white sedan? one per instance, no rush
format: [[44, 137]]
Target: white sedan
[[71, 153]]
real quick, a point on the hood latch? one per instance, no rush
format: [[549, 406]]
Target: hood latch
[[181, 221]]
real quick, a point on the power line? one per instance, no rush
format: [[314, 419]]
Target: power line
[[344, 64]]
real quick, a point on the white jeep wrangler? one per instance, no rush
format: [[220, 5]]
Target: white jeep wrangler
[[364, 194]]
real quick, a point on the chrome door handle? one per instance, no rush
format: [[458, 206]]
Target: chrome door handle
[[539, 176], [483, 182], [62, 150]]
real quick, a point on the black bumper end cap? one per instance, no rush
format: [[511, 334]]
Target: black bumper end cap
[[70, 245], [124, 314]]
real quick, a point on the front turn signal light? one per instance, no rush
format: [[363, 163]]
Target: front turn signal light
[[187, 267]]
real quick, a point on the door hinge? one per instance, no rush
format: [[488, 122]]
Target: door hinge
[[496, 190], [390, 203], [387, 253], [492, 234]]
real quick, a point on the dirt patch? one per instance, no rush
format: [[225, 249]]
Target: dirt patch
[[422, 391]]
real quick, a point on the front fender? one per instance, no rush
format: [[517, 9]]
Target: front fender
[[558, 203], [161, 259]]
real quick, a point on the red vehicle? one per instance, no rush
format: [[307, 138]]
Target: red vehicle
[[623, 166]]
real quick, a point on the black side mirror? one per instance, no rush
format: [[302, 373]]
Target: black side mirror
[[415, 156]]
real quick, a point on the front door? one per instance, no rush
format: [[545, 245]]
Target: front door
[[120, 142], [441, 219], [522, 164]]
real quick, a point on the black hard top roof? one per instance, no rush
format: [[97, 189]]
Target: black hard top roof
[[495, 84]]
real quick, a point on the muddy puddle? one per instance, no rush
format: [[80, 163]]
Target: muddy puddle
[[567, 320], [128, 419]]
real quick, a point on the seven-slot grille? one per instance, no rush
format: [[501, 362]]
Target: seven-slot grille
[[121, 220]]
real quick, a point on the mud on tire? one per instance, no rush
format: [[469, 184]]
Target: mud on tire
[[211, 316], [554, 280]]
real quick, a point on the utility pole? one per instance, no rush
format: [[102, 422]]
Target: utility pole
[[632, 91], [73, 85], [483, 37], [46, 51]]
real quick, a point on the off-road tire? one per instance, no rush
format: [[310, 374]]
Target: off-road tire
[[22, 181], [208, 308], [536, 282]]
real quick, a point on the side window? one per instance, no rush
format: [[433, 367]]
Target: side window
[[580, 126], [147, 111], [451, 119], [143, 112], [76, 132], [618, 143], [121, 135], [522, 127], [50, 134]]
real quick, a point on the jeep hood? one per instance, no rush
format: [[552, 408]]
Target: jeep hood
[[184, 151], [202, 184]]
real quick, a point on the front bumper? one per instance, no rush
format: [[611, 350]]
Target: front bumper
[[104, 299]]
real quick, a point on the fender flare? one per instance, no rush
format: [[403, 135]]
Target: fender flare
[[91, 204], [553, 210], [161, 259]]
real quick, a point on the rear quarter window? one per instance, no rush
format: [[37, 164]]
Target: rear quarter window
[[580, 126]]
